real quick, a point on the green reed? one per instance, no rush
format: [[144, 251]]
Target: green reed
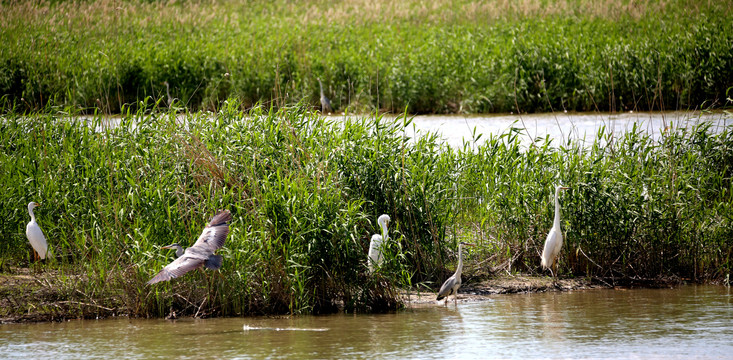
[[305, 192], [455, 58]]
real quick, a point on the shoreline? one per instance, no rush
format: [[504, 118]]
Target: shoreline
[[33, 292]]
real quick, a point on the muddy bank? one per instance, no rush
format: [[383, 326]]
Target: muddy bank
[[483, 290], [33, 295]]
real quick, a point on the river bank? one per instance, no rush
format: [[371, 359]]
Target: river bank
[[36, 295]]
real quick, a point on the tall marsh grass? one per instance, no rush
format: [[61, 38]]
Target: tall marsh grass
[[305, 192], [452, 56]]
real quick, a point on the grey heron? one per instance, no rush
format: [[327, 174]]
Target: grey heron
[[201, 253], [450, 286], [34, 233], [325, 103], [375, 246], [553, 244], [179, 249]]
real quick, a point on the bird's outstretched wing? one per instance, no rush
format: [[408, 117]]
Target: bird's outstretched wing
[[177, 268], [216, 231]]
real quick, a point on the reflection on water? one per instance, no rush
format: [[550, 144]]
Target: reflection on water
[[455, 129], [683, 323]]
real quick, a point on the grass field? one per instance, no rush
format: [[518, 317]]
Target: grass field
[[454, 56]]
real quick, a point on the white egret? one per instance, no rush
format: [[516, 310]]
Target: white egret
[[553, 244], [375, 246], [201, 253], [34, 234], [450, 286]]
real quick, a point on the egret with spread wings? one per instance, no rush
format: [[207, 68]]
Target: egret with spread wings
[[202, 252]]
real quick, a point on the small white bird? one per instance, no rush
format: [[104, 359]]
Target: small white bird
[[34, 234], [553, 244], [450, 286], [375, 256]]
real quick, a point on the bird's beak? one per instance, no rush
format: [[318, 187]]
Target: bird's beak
[[167, 247], [469, 244], [38, 204], [564, 188]]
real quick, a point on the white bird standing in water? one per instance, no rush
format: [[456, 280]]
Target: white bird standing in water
[[375, 246], [34, 234], [553, 244], [450, 286], [201, 253]]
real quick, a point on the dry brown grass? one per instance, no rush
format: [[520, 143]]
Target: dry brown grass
[[87, 15]]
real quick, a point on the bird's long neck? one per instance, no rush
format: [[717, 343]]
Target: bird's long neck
[[459, 268], [557, 208], [179, 251], [320, 85], [30, 211]]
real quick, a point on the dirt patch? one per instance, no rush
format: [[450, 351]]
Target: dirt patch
[[503, 285], [30, 295], [33, 295], [533, 284]]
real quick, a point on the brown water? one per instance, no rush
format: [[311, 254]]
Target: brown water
[[682, 323]]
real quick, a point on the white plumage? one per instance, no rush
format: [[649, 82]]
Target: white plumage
[[553, 244], [34, 233], [375, 255]]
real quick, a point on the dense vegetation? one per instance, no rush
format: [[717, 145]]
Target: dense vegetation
[[305, 193], [449, 56]]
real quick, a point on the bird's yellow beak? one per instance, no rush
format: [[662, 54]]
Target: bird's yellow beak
[[564, 188], [38, 204]]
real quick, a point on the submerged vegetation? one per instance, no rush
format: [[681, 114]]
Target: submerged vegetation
[[305, 193], [446, 57]]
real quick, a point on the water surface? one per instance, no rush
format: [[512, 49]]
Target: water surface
[[684, 323], [454, 129]]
